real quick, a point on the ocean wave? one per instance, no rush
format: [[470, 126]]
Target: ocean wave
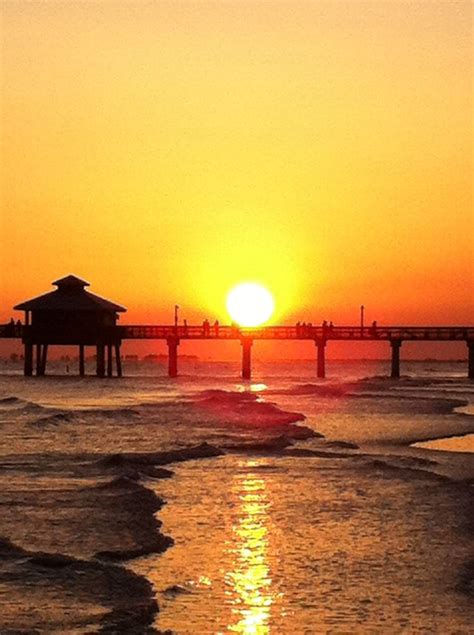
[[411, 404], [201, 451], [110, 412], [159, 544], [244, 408], [54, 419], [78, 593], [69, 416], [322, 390], [421, 382], [271, 445], [7, 401], [16, 404]]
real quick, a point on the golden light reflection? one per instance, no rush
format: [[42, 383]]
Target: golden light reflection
[[251, 578], [252, 387]]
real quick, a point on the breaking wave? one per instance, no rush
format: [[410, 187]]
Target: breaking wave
[[244, 408], [82, 595], [7, 401]]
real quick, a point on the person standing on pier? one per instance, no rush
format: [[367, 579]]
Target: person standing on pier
[[373, 328]]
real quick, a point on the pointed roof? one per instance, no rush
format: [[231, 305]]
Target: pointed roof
[[70, 295], [71, 281]]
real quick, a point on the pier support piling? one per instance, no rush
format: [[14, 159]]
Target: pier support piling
[[100, 357], [38, 360], [28, 361], [396, 345], [109, 360], [321, 346], [470, 362], [118, 360], [81, 360], [246, 357], [44, 357], [173, 344]]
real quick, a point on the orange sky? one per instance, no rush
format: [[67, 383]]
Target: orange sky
[[165, 151]]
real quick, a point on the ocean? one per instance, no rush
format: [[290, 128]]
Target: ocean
[[205, 504]]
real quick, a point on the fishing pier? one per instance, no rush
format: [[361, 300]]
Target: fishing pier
[[321, 336], [71, 315]]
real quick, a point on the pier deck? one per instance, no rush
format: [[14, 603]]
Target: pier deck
[[173, 335]]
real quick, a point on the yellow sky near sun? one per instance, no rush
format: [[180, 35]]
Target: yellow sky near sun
[[167, 151]]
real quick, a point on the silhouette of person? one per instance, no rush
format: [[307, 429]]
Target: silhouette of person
[[325, 327], [206, 328], [216, 328], [331, 326], [373, 329], [185, 322], [298, 329]]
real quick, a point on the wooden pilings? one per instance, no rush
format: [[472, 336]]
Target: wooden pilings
[[105, 358], [395, 371], [81, 361], [173, 343], [321, 368], [38, 359], [41, 357], [246, 357], [36, 355], [118, 360], [28, 367], [100, 360], [44, 357], [470, 359], [109, 360]]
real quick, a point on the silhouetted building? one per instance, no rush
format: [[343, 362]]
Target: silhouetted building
[[71, 315]]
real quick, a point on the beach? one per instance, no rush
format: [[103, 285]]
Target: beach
[[203, 504]]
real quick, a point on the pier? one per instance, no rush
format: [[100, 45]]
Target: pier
[[72, 315], [109, 338], [321, 336]]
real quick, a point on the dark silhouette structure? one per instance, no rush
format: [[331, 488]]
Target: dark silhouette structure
[[71, 315], [320, 335]]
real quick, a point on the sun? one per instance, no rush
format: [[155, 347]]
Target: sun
[[250, 304]]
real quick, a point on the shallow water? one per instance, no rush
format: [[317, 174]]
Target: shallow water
[[357, 531], [290, 547]]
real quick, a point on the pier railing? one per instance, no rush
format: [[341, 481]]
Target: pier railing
[[302, 332]]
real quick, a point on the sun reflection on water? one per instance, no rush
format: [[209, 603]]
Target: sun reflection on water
[[250, 581]]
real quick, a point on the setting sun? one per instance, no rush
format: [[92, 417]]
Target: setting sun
[[250, 304]]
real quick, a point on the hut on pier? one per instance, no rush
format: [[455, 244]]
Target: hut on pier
[[71, 315]]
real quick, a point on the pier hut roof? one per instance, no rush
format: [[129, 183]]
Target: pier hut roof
[[70, 295]]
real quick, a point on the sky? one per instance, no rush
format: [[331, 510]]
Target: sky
[[166, 151]]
